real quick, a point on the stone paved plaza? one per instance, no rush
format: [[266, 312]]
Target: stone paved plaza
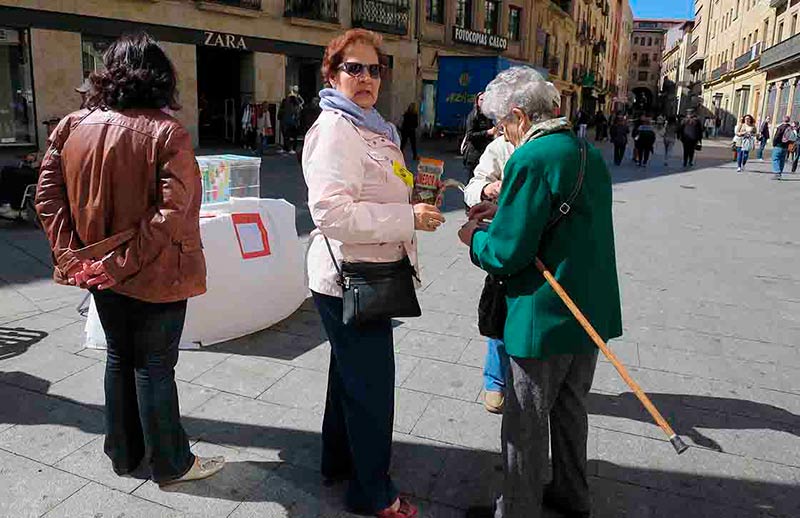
[[709, 264]]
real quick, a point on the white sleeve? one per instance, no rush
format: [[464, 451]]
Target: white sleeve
[[489, 169]]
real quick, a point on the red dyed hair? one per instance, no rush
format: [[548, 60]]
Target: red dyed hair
[[334, 53]]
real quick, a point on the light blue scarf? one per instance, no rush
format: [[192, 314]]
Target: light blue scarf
[[333, 100]]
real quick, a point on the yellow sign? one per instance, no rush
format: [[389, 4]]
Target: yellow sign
[[403, 173]]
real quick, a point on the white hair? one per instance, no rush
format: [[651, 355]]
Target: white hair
[[523, 88]]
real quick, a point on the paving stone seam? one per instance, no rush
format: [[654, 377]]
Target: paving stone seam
[[292, 369], [726, 356], [43, 313], [223, 357], [721, 335], [725, 380], [65, 499]]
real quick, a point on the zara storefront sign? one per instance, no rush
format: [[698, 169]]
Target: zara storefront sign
[[227, 41], [470, 37]]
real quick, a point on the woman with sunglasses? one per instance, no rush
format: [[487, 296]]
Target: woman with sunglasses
[[358, 195]]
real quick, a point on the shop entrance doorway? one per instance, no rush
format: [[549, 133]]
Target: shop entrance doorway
[[222, 76]]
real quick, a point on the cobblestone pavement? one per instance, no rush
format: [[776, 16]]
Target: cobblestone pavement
[[708, 262]]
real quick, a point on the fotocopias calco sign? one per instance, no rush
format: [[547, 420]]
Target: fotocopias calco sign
[[482, 39]]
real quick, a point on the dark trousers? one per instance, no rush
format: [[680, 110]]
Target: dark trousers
[[545, 408], [412, 137], [619, 153], [289, 137], [359, 408], [644, 154], [142, 414], [688, 152]]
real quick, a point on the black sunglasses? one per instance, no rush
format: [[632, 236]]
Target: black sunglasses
[[356, 69]]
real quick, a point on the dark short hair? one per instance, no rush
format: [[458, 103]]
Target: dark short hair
[[138, 74]]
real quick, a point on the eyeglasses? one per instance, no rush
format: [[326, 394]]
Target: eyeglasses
[[355, 69]]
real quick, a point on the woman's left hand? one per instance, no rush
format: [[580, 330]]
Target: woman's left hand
[[466, 232], [98, 277]]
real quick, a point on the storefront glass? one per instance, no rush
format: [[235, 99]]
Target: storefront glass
[[92, 50], [17, 119]]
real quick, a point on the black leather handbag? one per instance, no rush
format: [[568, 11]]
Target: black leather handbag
[[492, 307], [376, 291]]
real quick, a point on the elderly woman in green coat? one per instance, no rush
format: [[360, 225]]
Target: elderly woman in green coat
[[552, 359]]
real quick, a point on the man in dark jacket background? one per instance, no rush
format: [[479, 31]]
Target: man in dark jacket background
[[480, 132], [691, 134]]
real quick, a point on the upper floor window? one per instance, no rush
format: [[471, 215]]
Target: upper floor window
[[514, 22], [492, 23], [464, 14], [435, 11]]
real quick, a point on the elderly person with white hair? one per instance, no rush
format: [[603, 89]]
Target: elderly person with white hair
[[552, 360]]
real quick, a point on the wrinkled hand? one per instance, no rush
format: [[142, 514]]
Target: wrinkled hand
[[427, 217], [492, 191], [77, 276], [466, 231], [492, 132], [483, 210]]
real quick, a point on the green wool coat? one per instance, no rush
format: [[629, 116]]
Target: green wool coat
[[579, 250]]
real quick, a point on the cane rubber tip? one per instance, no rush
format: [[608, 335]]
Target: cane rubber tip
[[678, 444]]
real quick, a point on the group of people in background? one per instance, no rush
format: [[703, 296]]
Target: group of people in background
[[648, 134]]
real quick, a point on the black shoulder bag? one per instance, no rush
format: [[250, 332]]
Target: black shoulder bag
[[492, 307], [375, 291]]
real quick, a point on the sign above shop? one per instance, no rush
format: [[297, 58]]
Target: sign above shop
[[227, 41], [482, 39]]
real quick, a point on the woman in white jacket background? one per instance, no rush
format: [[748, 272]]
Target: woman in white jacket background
[[485, 185]]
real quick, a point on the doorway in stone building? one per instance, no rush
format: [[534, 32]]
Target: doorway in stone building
[[224, 85]]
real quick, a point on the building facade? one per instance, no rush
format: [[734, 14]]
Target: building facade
[[675, 80], [780, 63], [736, 33], [228, 54], [647, 48]]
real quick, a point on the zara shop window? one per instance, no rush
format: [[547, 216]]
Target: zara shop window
[[17, 115]]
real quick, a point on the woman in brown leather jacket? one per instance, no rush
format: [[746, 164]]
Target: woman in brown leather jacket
[[119, 198]]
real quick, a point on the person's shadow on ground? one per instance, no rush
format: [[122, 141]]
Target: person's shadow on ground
[[453, 476]]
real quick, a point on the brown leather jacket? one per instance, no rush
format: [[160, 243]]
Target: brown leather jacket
[[125, 188]]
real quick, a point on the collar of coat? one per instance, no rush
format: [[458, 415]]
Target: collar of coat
[[540, 129]]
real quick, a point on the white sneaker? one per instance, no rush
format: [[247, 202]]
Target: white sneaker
[[738, 169]]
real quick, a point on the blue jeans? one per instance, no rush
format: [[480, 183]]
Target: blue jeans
[[142, 416], [742, 156], [495, 367], [778, 159], [761, 146]]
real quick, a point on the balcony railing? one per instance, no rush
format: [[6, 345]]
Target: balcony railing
[[748, 57], [717, 72], [389, 16], [244, 4], [694, 47], [322, 10], [782, 52]]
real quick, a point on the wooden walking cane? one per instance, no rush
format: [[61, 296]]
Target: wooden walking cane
[[676, 441]]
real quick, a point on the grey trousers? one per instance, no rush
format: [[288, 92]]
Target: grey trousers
[[544, 397]]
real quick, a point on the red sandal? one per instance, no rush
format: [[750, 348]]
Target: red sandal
[[406, 510]]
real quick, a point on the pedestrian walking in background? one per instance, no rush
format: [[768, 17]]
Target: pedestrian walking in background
[[486, 186], [600, 126], [480, 132], [717, 125], [796, 154], [691, 135], [408, 129], [763, 138], [582, 121], [552, 360], [780, 145], [619, 137], [119, 197], [644, 137], [670, 137], [745, 140], [709, 125], [360, 206]]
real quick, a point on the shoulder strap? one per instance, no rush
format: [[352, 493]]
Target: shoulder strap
[[566, 207], [333, 258]]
